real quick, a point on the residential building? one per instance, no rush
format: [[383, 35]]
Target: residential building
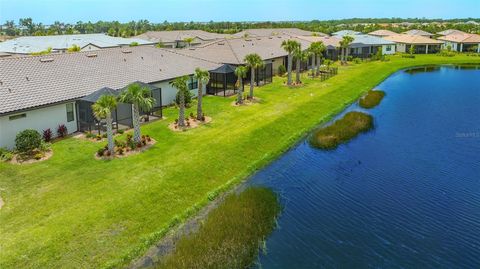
[[462, 42], [416, 32], [382, 33], [177, 39], [346, 32], [276, 31], [41, 92], [450, 32], [364, 46], [422, 44], [61, 43]]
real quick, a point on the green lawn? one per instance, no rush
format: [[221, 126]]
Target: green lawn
[[76, 211]]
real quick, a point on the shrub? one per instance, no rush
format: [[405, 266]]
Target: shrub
[[372, 99], [98, 137], [342, 130], [120, 131], [192, 115], [5, 155], [282, 70], [104, 135], [38, 156], [62, 130], [89, 135], [28, 140], [120, 151], [188, 98], [231, 235], [100, 152], [47, 135], [357, 60]]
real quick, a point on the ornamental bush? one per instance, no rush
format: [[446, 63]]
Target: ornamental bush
[[28, 140], [282, 70]]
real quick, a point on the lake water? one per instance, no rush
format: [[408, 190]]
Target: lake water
[[405, 195]]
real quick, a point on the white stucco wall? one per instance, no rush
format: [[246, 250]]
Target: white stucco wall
[[38, 119], [401, 47], [386, 52], [169, 92]]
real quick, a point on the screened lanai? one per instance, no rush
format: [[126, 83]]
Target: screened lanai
[[222, 81]]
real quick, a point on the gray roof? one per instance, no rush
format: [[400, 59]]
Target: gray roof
[[418, 32], [234, 50], [450, 32], [346, 32], [31, 81], [174, 36], [94, 96], [369, 40], [276, 31], [29, 44]]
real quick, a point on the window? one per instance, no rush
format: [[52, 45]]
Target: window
[[16, 117], [389, 48], [193, 83], [70, 114]]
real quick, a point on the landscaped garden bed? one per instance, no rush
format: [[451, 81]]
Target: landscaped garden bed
[[30, 148], [342, 130], [190, 123], [127, 147], [371, 99]]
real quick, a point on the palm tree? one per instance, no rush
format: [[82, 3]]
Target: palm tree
[[102, 109], [344, 43], [188, 40], [180, 84], [300, 56], [241, 73], [203, 77], [253, 62], [140, 98], [289, 46], [317, 49]]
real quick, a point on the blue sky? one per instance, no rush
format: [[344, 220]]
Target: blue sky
[[47, 11]]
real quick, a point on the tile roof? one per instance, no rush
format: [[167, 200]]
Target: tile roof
[[173, 36], [462, 38], [276, 31], [31, 81], [413, 39], [346, 32], [29, 44], [369, 40], [418, 32], [382, 33], [234, 50], [330, 42], [450, 31]]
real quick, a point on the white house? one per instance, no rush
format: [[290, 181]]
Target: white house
[[462, 42]]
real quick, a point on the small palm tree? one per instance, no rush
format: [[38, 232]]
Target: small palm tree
[[301, 57], [140, 98], [189, 41], [317, 49], [241, 73], [102, 109], [203, 77], [289, 46], [344, 43], [180, 84], [253, 62]]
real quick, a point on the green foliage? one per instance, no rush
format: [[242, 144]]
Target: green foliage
[[282, 70], [104, 106], [290, 45], [5, 155], [28, 140], [411, 51], [74, 48], [188, 95], [160, 45], [44, 52], [134, 44], [231, 235], [138, 95], [342, 130], [372, 99]]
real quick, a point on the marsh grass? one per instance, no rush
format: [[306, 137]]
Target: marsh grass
[[342, 130], [232, 234], [371, 99]]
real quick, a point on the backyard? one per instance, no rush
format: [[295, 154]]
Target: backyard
[[74, 209]]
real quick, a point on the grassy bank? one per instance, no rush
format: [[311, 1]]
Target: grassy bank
[[75, 211], [232, 234], [371, 99], [342, 130]]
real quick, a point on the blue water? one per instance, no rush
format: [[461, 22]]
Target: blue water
[[406, 195]]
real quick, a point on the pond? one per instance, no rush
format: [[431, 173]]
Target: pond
[[405, 195]]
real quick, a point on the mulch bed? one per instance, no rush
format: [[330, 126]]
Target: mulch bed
[[30, 159], [193, 123], [128, 151]]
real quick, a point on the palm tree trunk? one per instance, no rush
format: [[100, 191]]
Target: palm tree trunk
[[314, 65], [252, 79], [199, 100], [318, 64], [240, 91], [181, 111], [110, 134], [297, 75], [346, 54], [136, 124], [289, 69]]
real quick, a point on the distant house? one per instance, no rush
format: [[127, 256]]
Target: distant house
[[61, 43], [382, 33], [422, 44], [419, 33], [462, 42], [332, 44], [41, 92], [345, 32], [276, 31], [450, 32], [177, 39], [364, 46]]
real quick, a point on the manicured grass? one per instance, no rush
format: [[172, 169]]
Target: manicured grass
[[232, 234], [371, 99], [75, 211], [342, 130]]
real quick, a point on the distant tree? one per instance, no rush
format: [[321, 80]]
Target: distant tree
[[241, 73], [202, 77], [160, 45], [180, 84], [253, 61], [74, 48], [289, 46], [411, 50], [188, 41], [102, 109], [344, 43]]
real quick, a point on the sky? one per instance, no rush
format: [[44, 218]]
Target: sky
[[71, 11]]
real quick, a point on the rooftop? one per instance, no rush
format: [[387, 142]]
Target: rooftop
[[462, 38], [360, 40], [31, 81], [413, 39], [450, 31], [30, 44], [174, 36], [382, 33], [418, 32], [276, 31], [346, 32]]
